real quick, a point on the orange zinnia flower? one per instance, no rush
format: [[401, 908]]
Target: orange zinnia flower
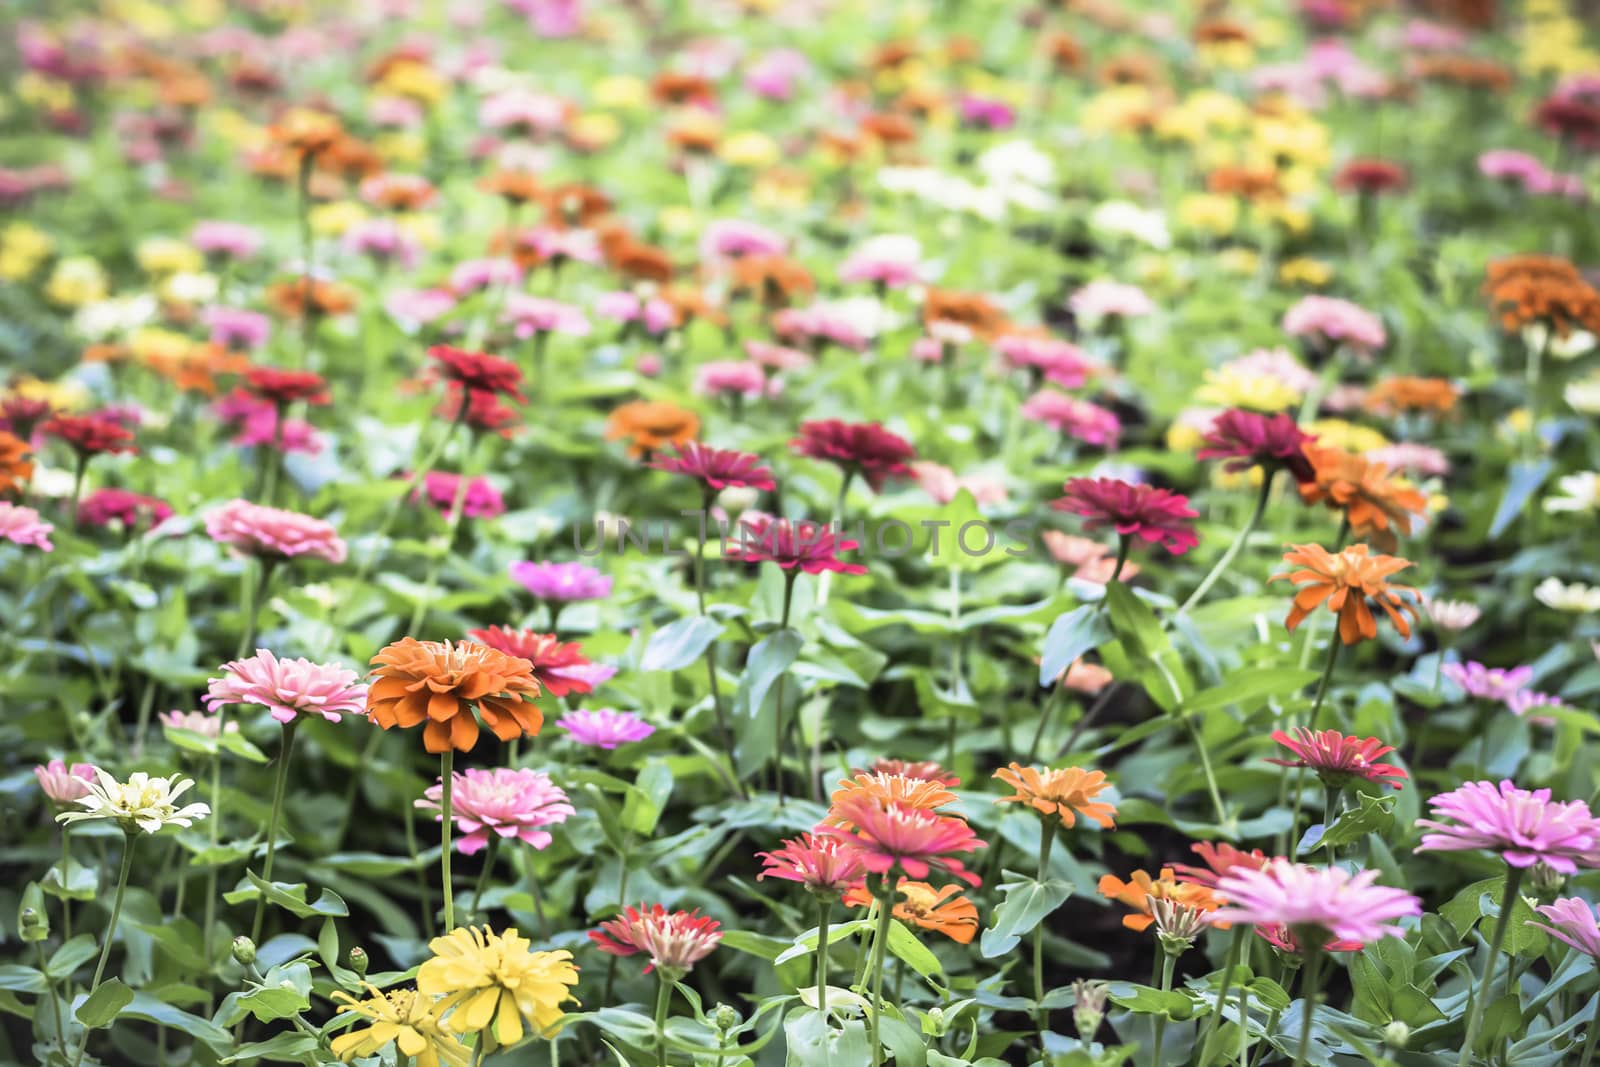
[[15, 466], [512, 186], [650, 425], [913, 792], [1140, 889], [1059, 792], [1542, 289], [302, 130], [1374, 504], [291, 297], [973, 310], [920, 904], [1407, 393], [1346, 581], [440, 683], [774, 280]]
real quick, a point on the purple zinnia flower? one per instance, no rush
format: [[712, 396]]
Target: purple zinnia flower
[[605, 728]]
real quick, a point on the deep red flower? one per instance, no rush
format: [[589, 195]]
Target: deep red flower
[[20, 414], [1337, 758], [105, 506], [1142, 511], [1219, 859], [553, 662], [485, 413], [478, 370], [810, 546], [1371, 177], [1249, 439], [283, 386], [718, 468], [1570, 119], [864, 448], [91, 434]]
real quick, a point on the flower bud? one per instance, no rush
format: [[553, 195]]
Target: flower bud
[[1545, 881], [933, 1022], [725, 1017], [1396, 1034], [33, 924], [358, 960], [244, 950], [1090, 1008]]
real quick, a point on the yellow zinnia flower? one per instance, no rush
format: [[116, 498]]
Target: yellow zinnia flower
[[331, 220], [751, 148], [168, 255], [1337, 433], [490, 982], [77, 280], [22, 249], [1230, 388], [1208, 212], [1303, 270], [622, 93], [405, 1018]]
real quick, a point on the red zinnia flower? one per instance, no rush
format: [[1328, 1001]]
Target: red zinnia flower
[[810, 546], [91, 434], [1570, 119], [485, 413], [864, 448], [718, 468], [479, 371], [1250, 439], [20, 414], [1142, 511], [825, 865], [675, 941], [286, 386], [553, 662], [890, 834], [1337, 758], [1371, 177]]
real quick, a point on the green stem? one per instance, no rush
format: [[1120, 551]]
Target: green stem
[[483, 877], [453, 524], [1480, 994], [1334, 645], [1589, 1041], [538, 898], [111, 929], [66, 869], [447, 784], [1230, 966], [1309, 989], [307, 254], [1330, 812], [663, 1002], [824, 910], [1205, 766], [424, 897], [1047, 837], [1244, 1024], [1052, 700], [1233, 549], [77, 490], [1530, 448], [1124, 546], [1168, 961], [880, 941], [50, 990], [778, 690], [284, 752]]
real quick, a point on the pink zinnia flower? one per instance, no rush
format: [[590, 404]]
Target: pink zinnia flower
[[1091, 560], [506, 801], [272, 533], [1248, 439], [232, 239], [728, 377], [1081, 419], [1488, 683], [524, 111], [1410, 457], [1525, 700], [986, 114], [418, 307], [1333, 900], [197, 722], [809, 546], [774, 74], [288, 687], [890, 835], [941, 483], [1335, 321], [481, 500], [1524, 826], [237, 326], [604, 728], [863, 448], [716, 468], [63, 784], [530, 315], [1104, 298], [383, 240], [890, 260], [776, 357], [733, 238], [1142, 511], [23, 526], [1572, 921], [674, 941], [558, 246], [1338, 759], [654, 313], [825, 865], [476, 275], [1061, 362], [561, 581]]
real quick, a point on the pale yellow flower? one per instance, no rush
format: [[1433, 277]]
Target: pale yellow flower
[[76, 280], [142, 802], [404, 1018]]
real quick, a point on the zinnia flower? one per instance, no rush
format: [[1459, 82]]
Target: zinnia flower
[[825, 865], [63, 784], [1374, 504], [604, 728], [197, 722], [1547, 290], [887, 785], [144, 802], [1346, 581], [132, 510], [1249, 439], [1572, 921], [675, 941], [716, 468], [1079, 419], [1059, 792], [561, 582], [808, 546], [944, 910], [1338, 759], [23, 526], [401, 1017], [1488, 683], [441, 683], [478, 371], [507, 802], [1524, 826], [481, 500], [1335, 321], [1330, 901], [895, 835], [90, 435], [288, 687], [1450, 615], [863, 448], [1141, 511], [651, 425], [924, 770], [15, 466], [280, 386], [1219, 858], [272, 533], [1140, 889], [490, 983], [553, 662]]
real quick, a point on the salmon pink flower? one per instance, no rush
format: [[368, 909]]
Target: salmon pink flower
[[604, 728], [890, 835], [863, 448], [1338, 759], [1330, 902], [825, 865], [1524, 826], [552, 661], [674, 941], [921, 770], [1219, 859], [506, 802], [63, 784], [288, 687], [1134, 511], [23, 526]]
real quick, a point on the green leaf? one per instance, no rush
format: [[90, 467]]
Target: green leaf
[[903, 1041], [290, 897], [81, 882], [1249, 685], [1135, 625], [72, 955], [1463, 911], [21, 979], [768, 659], [1069, 637], [1375, 815], [368, 864], [1522, 480], [679, 643], [813, 1042], [151, 1009], [104, 1003], [904, 944], [642, 808], [290, 1046], [1148, 1000], [239, 745], [1026, 904], [768, 948]]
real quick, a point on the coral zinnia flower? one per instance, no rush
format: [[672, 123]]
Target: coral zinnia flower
[[1219, 859], [478, 372], [403, 1018], [716, 468], [15, 466], [825, 865], [491, 982], [1338, 759], [304, 131], [1374, 504], [507, 802], [23, 526], [1332, 900], [549, 657], [1140, 889], [863, 448], [809, 546], [651, 425], [675, 941], [1524, 826], [1370, 177], [944, 910], [1346, 580], [1249, 439], [1059, 792], [1142, 511], [91, 434], [893, 834], [897, 787], [928, 770], [440, 683], [288, 687]]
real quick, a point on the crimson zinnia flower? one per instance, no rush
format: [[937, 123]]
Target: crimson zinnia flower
[[485, 413], [1249, 439], [675, 941], [810, 546], [91, 434], [478, 371], [1370, 177], [553, 662], [864, 448], [1142, 511], [286, 386], [718, 468], [1337, 759]]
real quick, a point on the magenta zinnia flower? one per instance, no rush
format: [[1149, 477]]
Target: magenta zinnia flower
[[1524, 826], [889, 835], [272, 533], [675, 941], [1249, 439], [864, 448], [1142, 511], [717, 468], [1573, 922], [604, 728], [480, 501], [23, 526], [1330, 900], [506, 801], [288, 687], [561, 581], [1488, 683], [809, 546], [132, 510], [825, 865], [63, 784], [1337, 759]]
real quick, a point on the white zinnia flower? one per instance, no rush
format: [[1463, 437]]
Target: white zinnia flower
[[141, 801], [1576, 598], [1582, 493], [1123, 218], [1451, 614], [1583, 395]]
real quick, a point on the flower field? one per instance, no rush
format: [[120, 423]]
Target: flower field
[[737, 534]]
